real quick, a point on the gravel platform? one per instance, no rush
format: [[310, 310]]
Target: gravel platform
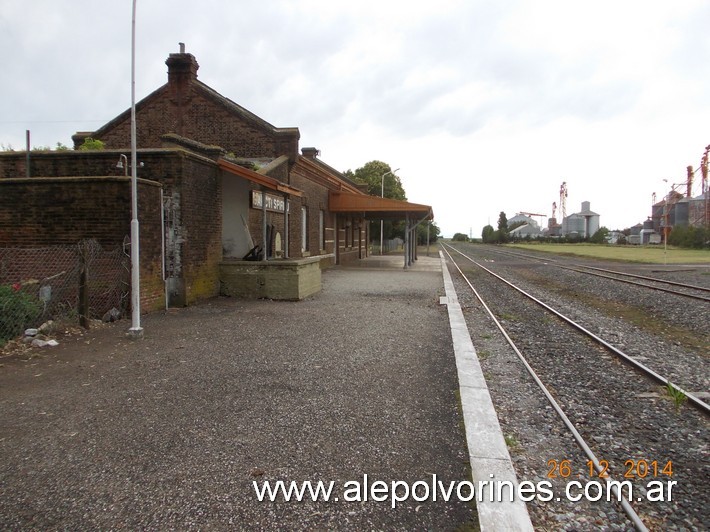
[[172, 431]]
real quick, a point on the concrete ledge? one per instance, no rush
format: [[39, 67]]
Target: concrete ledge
[[285, 279], [488, 452]]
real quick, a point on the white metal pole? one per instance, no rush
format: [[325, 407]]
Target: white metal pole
[[406, 241], [136, 331], [382, 222], [382, 195]]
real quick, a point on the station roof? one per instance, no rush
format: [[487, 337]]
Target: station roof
[[255, 177], [375, 207]]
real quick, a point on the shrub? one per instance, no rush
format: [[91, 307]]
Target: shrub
[[92, 144], [689, 237], [17, 310]]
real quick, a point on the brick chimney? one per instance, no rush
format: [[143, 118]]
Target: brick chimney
[[311, 153], [182, 71]]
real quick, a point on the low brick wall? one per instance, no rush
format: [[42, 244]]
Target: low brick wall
[[275, 279]]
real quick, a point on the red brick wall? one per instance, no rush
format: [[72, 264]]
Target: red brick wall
[[202, 117], [67, 210], [41, 212], [62, 164], [315, 199], [352, 243], [201, 194], [351, 230]]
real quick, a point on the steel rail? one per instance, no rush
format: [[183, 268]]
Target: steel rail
[[636, 283], [692, 399], [645, 278], [628, 509], [654, 279]]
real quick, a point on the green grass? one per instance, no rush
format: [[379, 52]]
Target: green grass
[[512, 443], [636, 315], [646, 254], [677, 395], [483, 354]]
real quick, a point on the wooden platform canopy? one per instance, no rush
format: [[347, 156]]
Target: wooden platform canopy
[[375, 208]]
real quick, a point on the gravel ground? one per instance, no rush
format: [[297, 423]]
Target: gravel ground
[[640, 423], [170, 432]]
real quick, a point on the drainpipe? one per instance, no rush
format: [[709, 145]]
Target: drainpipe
[[162, 247]]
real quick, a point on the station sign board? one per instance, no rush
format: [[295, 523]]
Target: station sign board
[[274, 203]]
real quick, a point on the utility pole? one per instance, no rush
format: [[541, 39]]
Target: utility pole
[[382, 195], [136, 331], [705, 189]]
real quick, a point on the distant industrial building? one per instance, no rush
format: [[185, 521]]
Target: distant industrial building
[[583, 224], [675, 210], [678, 210], [527, 228]]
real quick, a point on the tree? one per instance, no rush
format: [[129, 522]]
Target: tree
[[488, 234], [91, 144], [460, 237], [502, 227], [689, 237], [371, 174], [434, 233], [599, 237]]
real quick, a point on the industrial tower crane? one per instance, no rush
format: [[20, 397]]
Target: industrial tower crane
[[563, 200], [542, 216]]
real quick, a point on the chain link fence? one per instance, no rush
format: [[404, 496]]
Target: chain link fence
[[64, 283], [388, 246]]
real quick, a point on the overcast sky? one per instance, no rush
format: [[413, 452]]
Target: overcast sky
[[485, 106]]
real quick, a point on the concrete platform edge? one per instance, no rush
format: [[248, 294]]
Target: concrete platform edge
[[488, 453]]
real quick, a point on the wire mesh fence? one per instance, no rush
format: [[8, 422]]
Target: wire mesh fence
[[69, 283], [388, 246]]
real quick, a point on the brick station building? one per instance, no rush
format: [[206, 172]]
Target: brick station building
[[216, 182]]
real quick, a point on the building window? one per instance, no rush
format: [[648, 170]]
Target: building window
[[321, 229], [304, 228]]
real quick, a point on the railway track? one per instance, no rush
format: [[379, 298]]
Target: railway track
[[599, 410], [661, 285]]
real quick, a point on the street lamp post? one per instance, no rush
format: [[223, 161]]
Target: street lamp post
[[382, 195], [123, 164], [136, 331]]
